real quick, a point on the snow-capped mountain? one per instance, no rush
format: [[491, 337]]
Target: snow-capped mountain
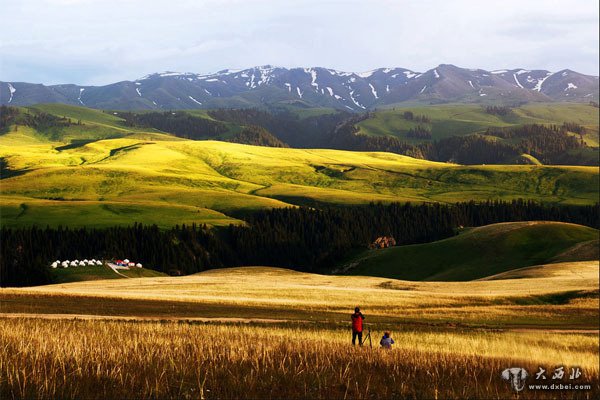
[[313, 87]]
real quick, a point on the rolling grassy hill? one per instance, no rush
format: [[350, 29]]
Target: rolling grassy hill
[[479, 252], [538, 297], [102, 173], [464, 119], [122, 180]]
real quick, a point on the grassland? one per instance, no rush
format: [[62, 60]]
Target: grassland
[[101, 173], [99, 359], [98, 272], [463, 119], [123, 180], [548, 297], [184, 337], [479, 252]]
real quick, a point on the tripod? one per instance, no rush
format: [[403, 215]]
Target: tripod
[[367, 336]]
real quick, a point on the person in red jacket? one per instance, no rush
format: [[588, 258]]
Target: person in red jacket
[[357, 326]]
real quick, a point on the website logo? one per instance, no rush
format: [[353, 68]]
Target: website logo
[[516, 376]]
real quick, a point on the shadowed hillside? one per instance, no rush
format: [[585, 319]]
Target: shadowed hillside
[[477, 252]]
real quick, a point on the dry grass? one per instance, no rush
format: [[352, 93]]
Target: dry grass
[[95, 359], [159, 351], [535, 300]]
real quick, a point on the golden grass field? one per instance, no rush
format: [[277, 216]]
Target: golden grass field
[[271, 333]]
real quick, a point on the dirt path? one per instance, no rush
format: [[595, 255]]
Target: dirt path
[[115, 270], [137, 318]]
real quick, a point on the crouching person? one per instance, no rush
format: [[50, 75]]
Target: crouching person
[[386, 341]]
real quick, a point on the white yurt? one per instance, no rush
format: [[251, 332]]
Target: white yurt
[[54, 264], [98, 262], [73, 263], [126, 261], [85, 260], [57, 261], [82, 263], [131, 264], [93, 261], [138, 265]]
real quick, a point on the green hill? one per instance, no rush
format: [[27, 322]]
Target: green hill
[[465, 119], [98, 172], [93, 273], [478, 252]]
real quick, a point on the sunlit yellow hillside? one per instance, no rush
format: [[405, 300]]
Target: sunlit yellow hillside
[[153, 179]]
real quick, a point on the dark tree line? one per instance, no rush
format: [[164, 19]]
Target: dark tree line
[[546, 143], [419, 132], [39, 120], [471, 149], [300, 238], [410, 116], [497, 110], [346, 137], [258, 136], [308, 132], [8, 116], [179, 123], [574, 127]]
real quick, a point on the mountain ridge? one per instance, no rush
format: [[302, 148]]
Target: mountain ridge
[[314, 87]]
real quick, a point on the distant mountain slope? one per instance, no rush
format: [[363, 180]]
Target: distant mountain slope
[[309, 87], [478, 252]]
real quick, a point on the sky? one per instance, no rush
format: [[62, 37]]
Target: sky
[[96, 42]]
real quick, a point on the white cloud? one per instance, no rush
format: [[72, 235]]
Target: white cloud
[[95, 40]]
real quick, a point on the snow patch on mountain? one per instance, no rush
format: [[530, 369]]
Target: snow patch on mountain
[[289, 86], [12, 91], [138, 92], [373, 91], [409, 74], [299, 92], [366, 74], [339, 73], [330, 90], [81, 90], [570, 86], [499, 72], [517, 81], [471, 83], [313, 81], [354, 100], [387, 88], [422, 90], [540, 82], [194, 100], [436, 74]]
